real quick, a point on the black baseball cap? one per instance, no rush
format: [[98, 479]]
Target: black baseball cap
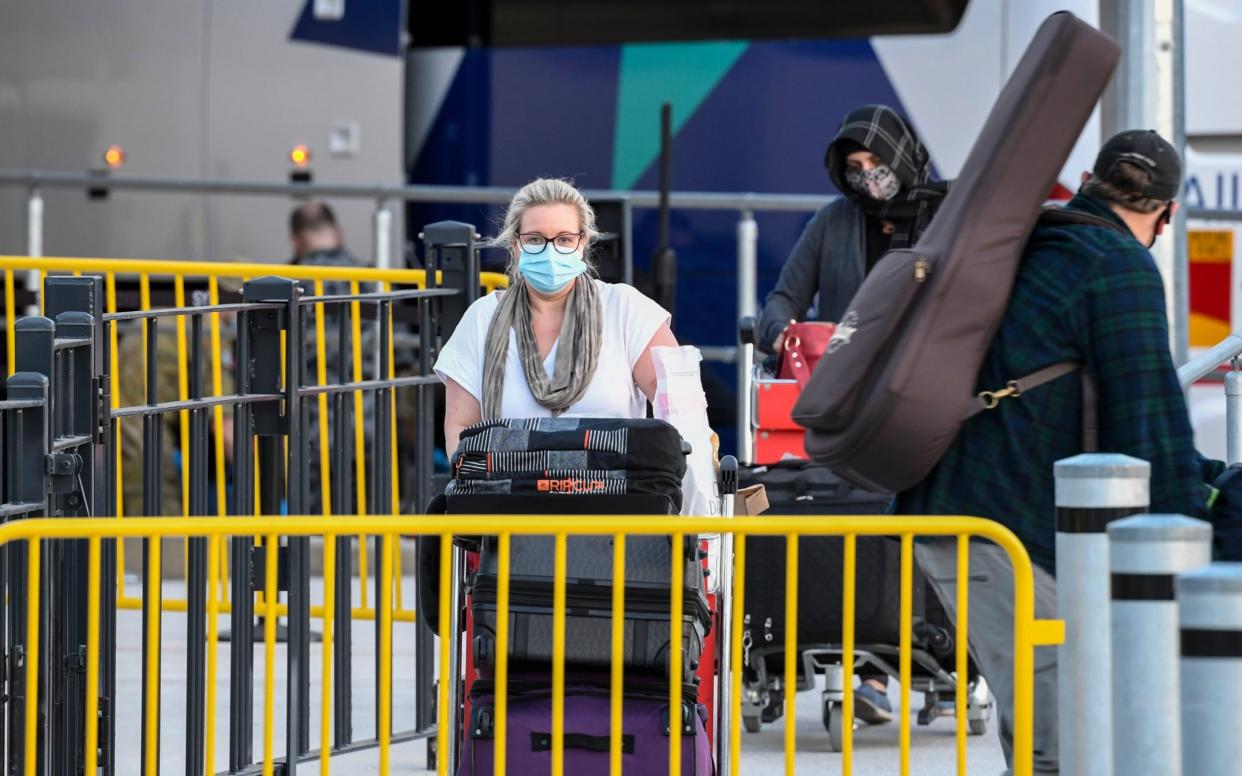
[[1143, 148]]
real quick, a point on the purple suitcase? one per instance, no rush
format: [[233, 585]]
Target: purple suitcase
[[587, 716]]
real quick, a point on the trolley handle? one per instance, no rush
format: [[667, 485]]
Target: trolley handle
[[728, 476]]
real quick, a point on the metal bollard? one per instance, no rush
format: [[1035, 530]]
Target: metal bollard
[[1092, 490], [1210, 610], [1147, 552]]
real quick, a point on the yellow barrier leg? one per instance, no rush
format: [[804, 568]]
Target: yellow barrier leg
[[907, 613], [183, 393], [791, 651], [214, 551], [92, 655], [678, 580], [10, 315], [271, 544], [329, 614], [963, 585], [502, 656], [618, 655], [33, 575], [151, 692], [735, 670], [448, 642], [849, 597], [117, 455], [558, 658], [385, 650]]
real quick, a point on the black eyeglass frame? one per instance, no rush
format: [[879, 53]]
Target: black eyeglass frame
[[552, 242]]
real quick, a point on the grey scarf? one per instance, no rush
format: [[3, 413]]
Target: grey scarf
[[577, 351]]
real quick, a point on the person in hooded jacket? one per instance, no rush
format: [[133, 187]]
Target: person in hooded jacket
[[884, 174]]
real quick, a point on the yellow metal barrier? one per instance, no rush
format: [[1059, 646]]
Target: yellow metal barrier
[[1028, 632], [213, 272]]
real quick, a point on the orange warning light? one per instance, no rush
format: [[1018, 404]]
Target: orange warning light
[[114, 156], [300, 155]]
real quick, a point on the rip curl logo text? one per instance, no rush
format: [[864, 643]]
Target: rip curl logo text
[[570, 486], [845, 330]]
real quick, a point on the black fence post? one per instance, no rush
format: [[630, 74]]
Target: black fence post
[[78, 481], [451, 250], [26, 437], [197, 588], [241, 644], [270, 426], [343, 504], [298, 700], [381, 486], [36, 352]]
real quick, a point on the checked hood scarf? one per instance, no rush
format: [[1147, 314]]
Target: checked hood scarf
[[880, 130]]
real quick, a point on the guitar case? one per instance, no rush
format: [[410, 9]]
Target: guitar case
[[898, 379]]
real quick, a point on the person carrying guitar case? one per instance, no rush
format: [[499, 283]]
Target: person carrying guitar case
[[955, 379]]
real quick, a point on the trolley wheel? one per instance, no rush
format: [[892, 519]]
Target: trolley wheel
[[834, 722], [775, 707], [752, 724], [976, 727]]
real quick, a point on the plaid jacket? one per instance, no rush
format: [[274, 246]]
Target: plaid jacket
[[1088, 294]]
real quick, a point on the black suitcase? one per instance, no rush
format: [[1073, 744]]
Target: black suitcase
[[570, 456], [804, 488], [589, 584]]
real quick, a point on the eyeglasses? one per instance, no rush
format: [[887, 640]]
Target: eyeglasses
[[565, 242]]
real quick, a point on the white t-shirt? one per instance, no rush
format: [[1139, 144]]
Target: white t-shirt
[[630, 321]]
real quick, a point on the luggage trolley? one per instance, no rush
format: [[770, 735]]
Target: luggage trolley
[[710, 674], [768, 436]]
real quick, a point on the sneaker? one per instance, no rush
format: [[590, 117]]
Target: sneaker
[[871, 705]]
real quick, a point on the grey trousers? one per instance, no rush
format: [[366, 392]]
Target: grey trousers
[[990, 634]]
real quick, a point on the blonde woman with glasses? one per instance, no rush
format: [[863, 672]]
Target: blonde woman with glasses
[[559, 341]]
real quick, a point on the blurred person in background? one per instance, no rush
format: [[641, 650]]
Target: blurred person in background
[[319, 241]]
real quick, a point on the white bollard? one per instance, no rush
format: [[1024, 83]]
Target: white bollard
[[1092, 490], [1210, 607], [1147, 552]]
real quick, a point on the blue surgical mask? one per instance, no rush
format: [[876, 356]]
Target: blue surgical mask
[[549, 271]]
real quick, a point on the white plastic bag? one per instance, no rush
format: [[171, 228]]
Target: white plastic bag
[[681, 402]]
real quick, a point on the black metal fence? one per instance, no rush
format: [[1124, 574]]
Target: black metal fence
[[56, 427]]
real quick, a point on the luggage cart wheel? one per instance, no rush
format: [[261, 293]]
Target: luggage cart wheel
[[752, 724], [834, 722]]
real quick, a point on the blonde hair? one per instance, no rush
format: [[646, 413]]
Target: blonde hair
[[546, 191]]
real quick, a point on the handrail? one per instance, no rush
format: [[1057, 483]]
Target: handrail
[[1200, 367], [498, 195]]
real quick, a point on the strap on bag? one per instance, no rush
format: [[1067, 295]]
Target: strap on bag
[[990, 400]]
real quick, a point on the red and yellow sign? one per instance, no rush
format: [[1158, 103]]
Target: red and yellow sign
[[1211, 278]]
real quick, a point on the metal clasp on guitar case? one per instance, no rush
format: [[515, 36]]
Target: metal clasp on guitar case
[[992, 398]]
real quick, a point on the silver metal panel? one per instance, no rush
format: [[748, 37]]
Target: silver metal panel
[[189, 89]]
